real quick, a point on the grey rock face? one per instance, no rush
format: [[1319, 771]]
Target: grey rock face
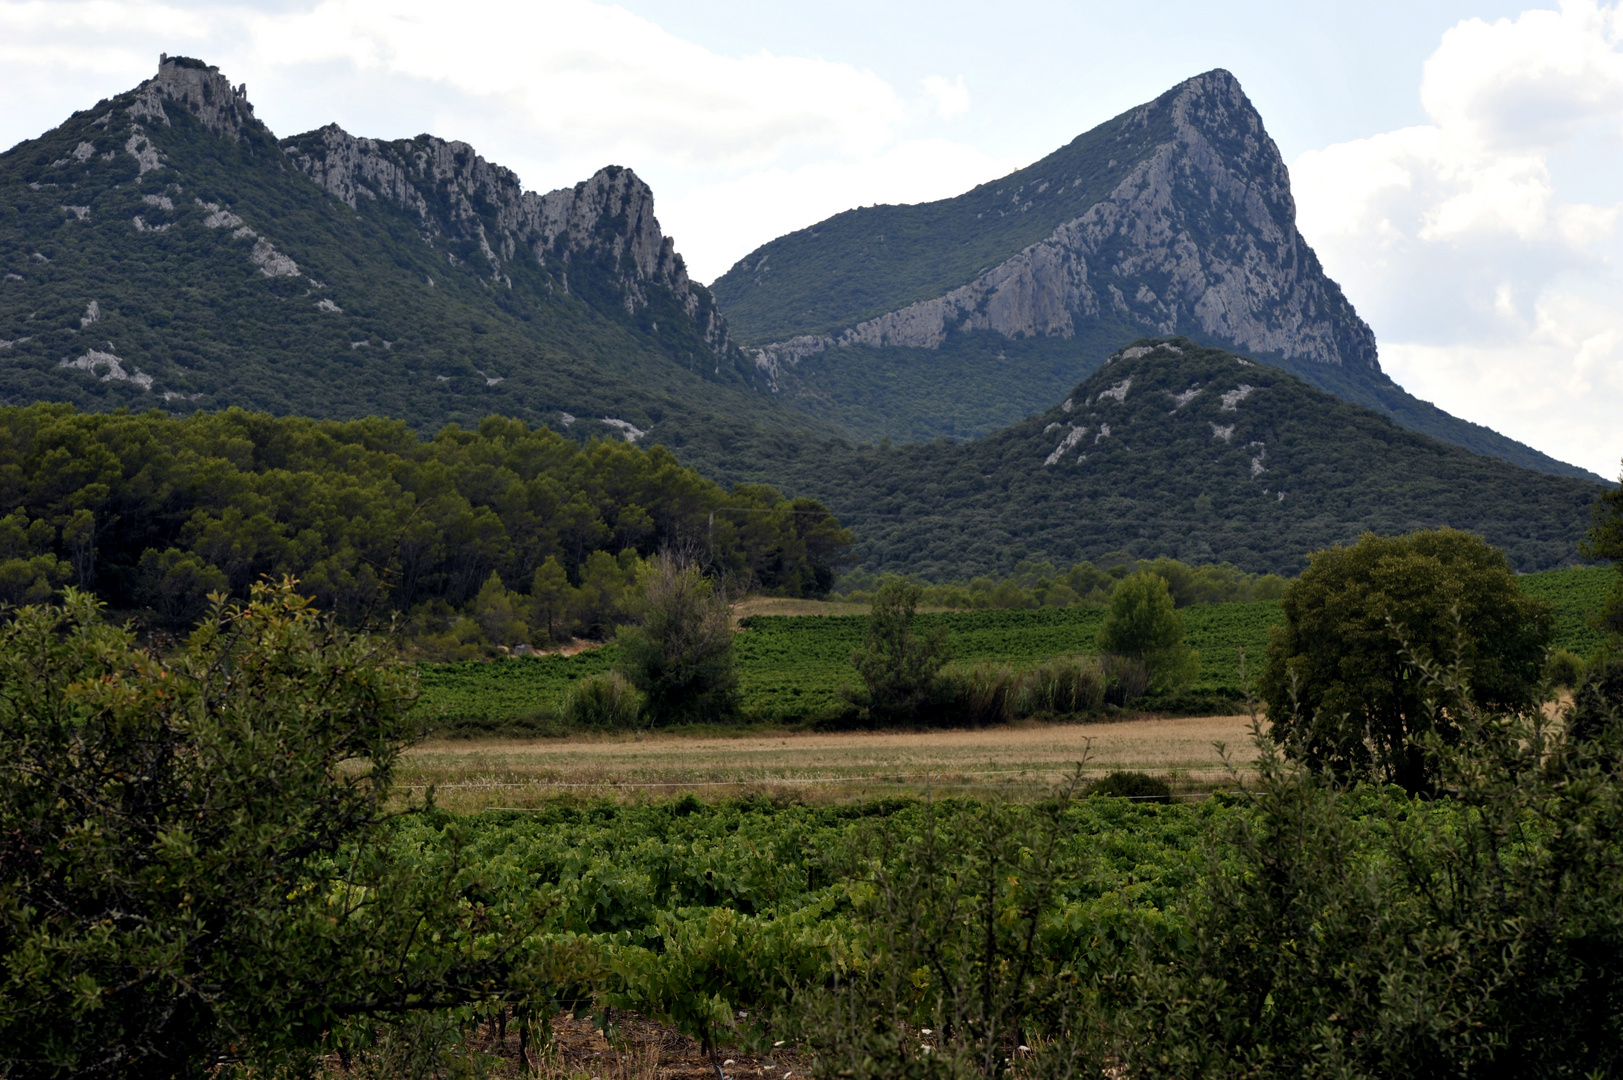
[[1201, 236], [200, 90], [605, 223]]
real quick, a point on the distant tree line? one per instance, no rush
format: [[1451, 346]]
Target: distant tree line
[[1037, 584], [503, 535]]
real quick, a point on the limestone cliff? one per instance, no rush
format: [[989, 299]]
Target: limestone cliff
[[604, 225], [1199, 236]]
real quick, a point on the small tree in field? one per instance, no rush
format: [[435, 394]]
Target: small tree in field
[[681, 654], [899, 667], [1341, 684], [1143, 624]]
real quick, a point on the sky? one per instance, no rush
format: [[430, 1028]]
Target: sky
[[1457, 165]]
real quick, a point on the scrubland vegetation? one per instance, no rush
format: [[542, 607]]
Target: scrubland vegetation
[[211, 869]]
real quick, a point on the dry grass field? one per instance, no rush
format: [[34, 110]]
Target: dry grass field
[[476, 775]]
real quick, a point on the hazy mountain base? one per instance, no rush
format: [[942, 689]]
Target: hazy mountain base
[[1255, 477]]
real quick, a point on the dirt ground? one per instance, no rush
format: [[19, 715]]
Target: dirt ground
[[474, 775]]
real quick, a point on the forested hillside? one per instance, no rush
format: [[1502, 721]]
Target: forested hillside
[[163, 249], [495, 527], [1176, 449]]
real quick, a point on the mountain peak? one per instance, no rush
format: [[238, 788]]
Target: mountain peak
[[200, 90]]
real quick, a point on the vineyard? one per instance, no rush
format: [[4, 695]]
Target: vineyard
[[792, 668], [709, 917]]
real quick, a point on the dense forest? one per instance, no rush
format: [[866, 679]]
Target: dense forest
[[153, 513]]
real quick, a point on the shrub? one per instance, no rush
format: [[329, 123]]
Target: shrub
[[681, 654], [194, 864], [1564, 668], [1341, 683], [898, 667], [1143, 624], [1140, 787], [606, 701], [1597, 704]]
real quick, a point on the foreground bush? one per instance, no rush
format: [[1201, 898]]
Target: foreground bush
[[189, 872]]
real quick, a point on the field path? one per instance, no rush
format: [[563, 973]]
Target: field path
[[471, 775]]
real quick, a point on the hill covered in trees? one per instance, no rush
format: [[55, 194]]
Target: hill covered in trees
[[497, 535], [1177, 449]]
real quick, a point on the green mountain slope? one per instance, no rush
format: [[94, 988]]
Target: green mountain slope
[[1192, 452], [164, 250], [1175, 217]]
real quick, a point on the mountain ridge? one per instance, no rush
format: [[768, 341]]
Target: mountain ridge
[[165, 249], [1174, 217]]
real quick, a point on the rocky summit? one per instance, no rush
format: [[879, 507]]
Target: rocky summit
[[1174, 218], [165, 248]]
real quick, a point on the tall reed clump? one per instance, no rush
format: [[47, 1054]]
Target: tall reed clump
[[991, 693], [602, 701], [1066, 685]]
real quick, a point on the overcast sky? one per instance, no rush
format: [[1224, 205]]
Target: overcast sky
[[1457, 165]]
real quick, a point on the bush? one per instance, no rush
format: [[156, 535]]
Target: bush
[[1124, 678], [979, 696], [1597, 704], [681, 655], [1140, 787], [194, 866], [605, 701], [899, 668], [1143, 624], [1341, 683], [1564, 669]]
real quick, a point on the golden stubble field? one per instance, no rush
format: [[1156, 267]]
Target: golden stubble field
[[472, 775]]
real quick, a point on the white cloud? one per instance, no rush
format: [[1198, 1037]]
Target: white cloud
[[1492, 293], [951, 98]]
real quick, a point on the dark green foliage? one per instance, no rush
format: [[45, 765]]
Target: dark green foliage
[[1597, 702], [188, 867], [898, 666], [1605, 541], [1299, 471], [1142, 624], [1140, 787], [1342, 684], [156, 512], [680, 652], [1366, 934]]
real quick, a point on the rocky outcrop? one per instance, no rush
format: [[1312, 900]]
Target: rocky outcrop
[[1199, 237], [199, 89], [603, 227]]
